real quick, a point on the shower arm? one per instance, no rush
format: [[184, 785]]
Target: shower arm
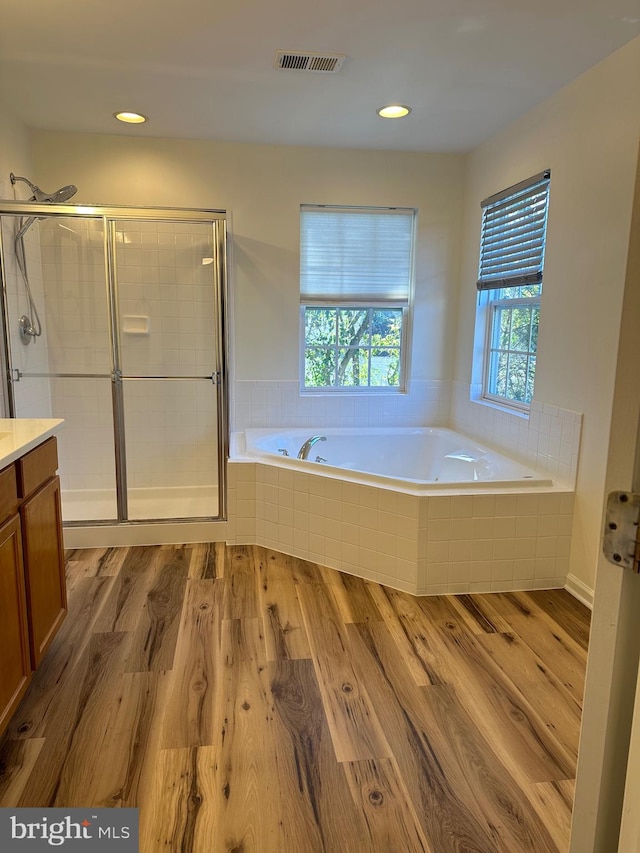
[[15, 178], [56, 197]]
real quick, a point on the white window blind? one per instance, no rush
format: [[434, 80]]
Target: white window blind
[[512, 243], [359, 255]]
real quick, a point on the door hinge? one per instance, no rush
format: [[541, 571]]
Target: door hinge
[[621, 540]]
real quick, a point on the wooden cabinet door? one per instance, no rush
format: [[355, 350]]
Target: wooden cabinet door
[[15, 670], [44, 566]]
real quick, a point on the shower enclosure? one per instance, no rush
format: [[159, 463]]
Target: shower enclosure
[[130, 306]]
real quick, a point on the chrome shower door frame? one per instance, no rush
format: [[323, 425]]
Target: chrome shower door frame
[[110, 216]]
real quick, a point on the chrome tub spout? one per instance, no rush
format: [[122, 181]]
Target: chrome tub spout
[[303, 453]]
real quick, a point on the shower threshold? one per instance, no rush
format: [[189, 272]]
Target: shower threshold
[[144, 503]]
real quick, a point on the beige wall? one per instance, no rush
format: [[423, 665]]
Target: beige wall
[[587, 134], [262, 187], [15, 155]]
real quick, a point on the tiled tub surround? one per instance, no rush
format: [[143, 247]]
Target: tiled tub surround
[[263, 404], [421, 543], [547, 440], [428, 543]]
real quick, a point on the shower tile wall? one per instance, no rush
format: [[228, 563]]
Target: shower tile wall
[[73, 268], [170, 434], [76, 319], [85, 445], [167, 321], [165, 282], [33, 395], [165, 274]]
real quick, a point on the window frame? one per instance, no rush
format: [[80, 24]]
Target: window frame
[[491, 299], [357, 389], [492, 307], [369, 304]]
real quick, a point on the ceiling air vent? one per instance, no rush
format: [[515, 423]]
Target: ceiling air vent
[[298, 60]]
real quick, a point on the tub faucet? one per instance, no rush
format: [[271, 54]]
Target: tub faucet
[[303, 453]]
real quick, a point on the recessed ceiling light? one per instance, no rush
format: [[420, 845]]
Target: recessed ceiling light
[[130, 118], [394, 111]]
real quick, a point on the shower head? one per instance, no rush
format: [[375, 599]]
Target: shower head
[[57, 197], [62, 195]]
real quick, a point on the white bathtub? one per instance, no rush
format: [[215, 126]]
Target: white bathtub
[[417, 458], [427, 511]]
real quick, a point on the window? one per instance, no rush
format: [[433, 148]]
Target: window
[[356, 269], [514, 225]]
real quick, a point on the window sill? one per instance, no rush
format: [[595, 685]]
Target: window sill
[[508, 410], [352, 392]]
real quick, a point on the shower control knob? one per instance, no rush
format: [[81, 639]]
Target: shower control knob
[[27, 330]]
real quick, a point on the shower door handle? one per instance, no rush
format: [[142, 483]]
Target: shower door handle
[[15, 375]]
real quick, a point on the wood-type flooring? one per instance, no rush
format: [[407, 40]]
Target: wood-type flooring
[[253, 702]]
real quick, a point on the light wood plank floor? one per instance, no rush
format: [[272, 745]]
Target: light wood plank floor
[[249, 701]]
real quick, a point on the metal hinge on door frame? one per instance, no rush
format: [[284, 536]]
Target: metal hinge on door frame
[[621, 540]]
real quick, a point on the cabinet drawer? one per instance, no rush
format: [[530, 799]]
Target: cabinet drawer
[[36, 467], [8, 492]]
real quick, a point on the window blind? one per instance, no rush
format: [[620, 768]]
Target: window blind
[[514, 225], [359, 255]]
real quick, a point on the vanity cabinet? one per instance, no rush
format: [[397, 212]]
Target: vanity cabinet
[[42, 547], [33, 599], [15, 662]]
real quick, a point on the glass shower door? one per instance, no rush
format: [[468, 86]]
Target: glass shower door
[[64, 371], [169, 356]]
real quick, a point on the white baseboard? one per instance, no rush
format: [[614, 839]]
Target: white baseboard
[[579, 590]]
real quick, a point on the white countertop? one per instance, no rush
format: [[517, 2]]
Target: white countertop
[[20, 435]]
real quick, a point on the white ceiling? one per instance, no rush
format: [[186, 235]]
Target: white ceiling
[[204, 69]]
